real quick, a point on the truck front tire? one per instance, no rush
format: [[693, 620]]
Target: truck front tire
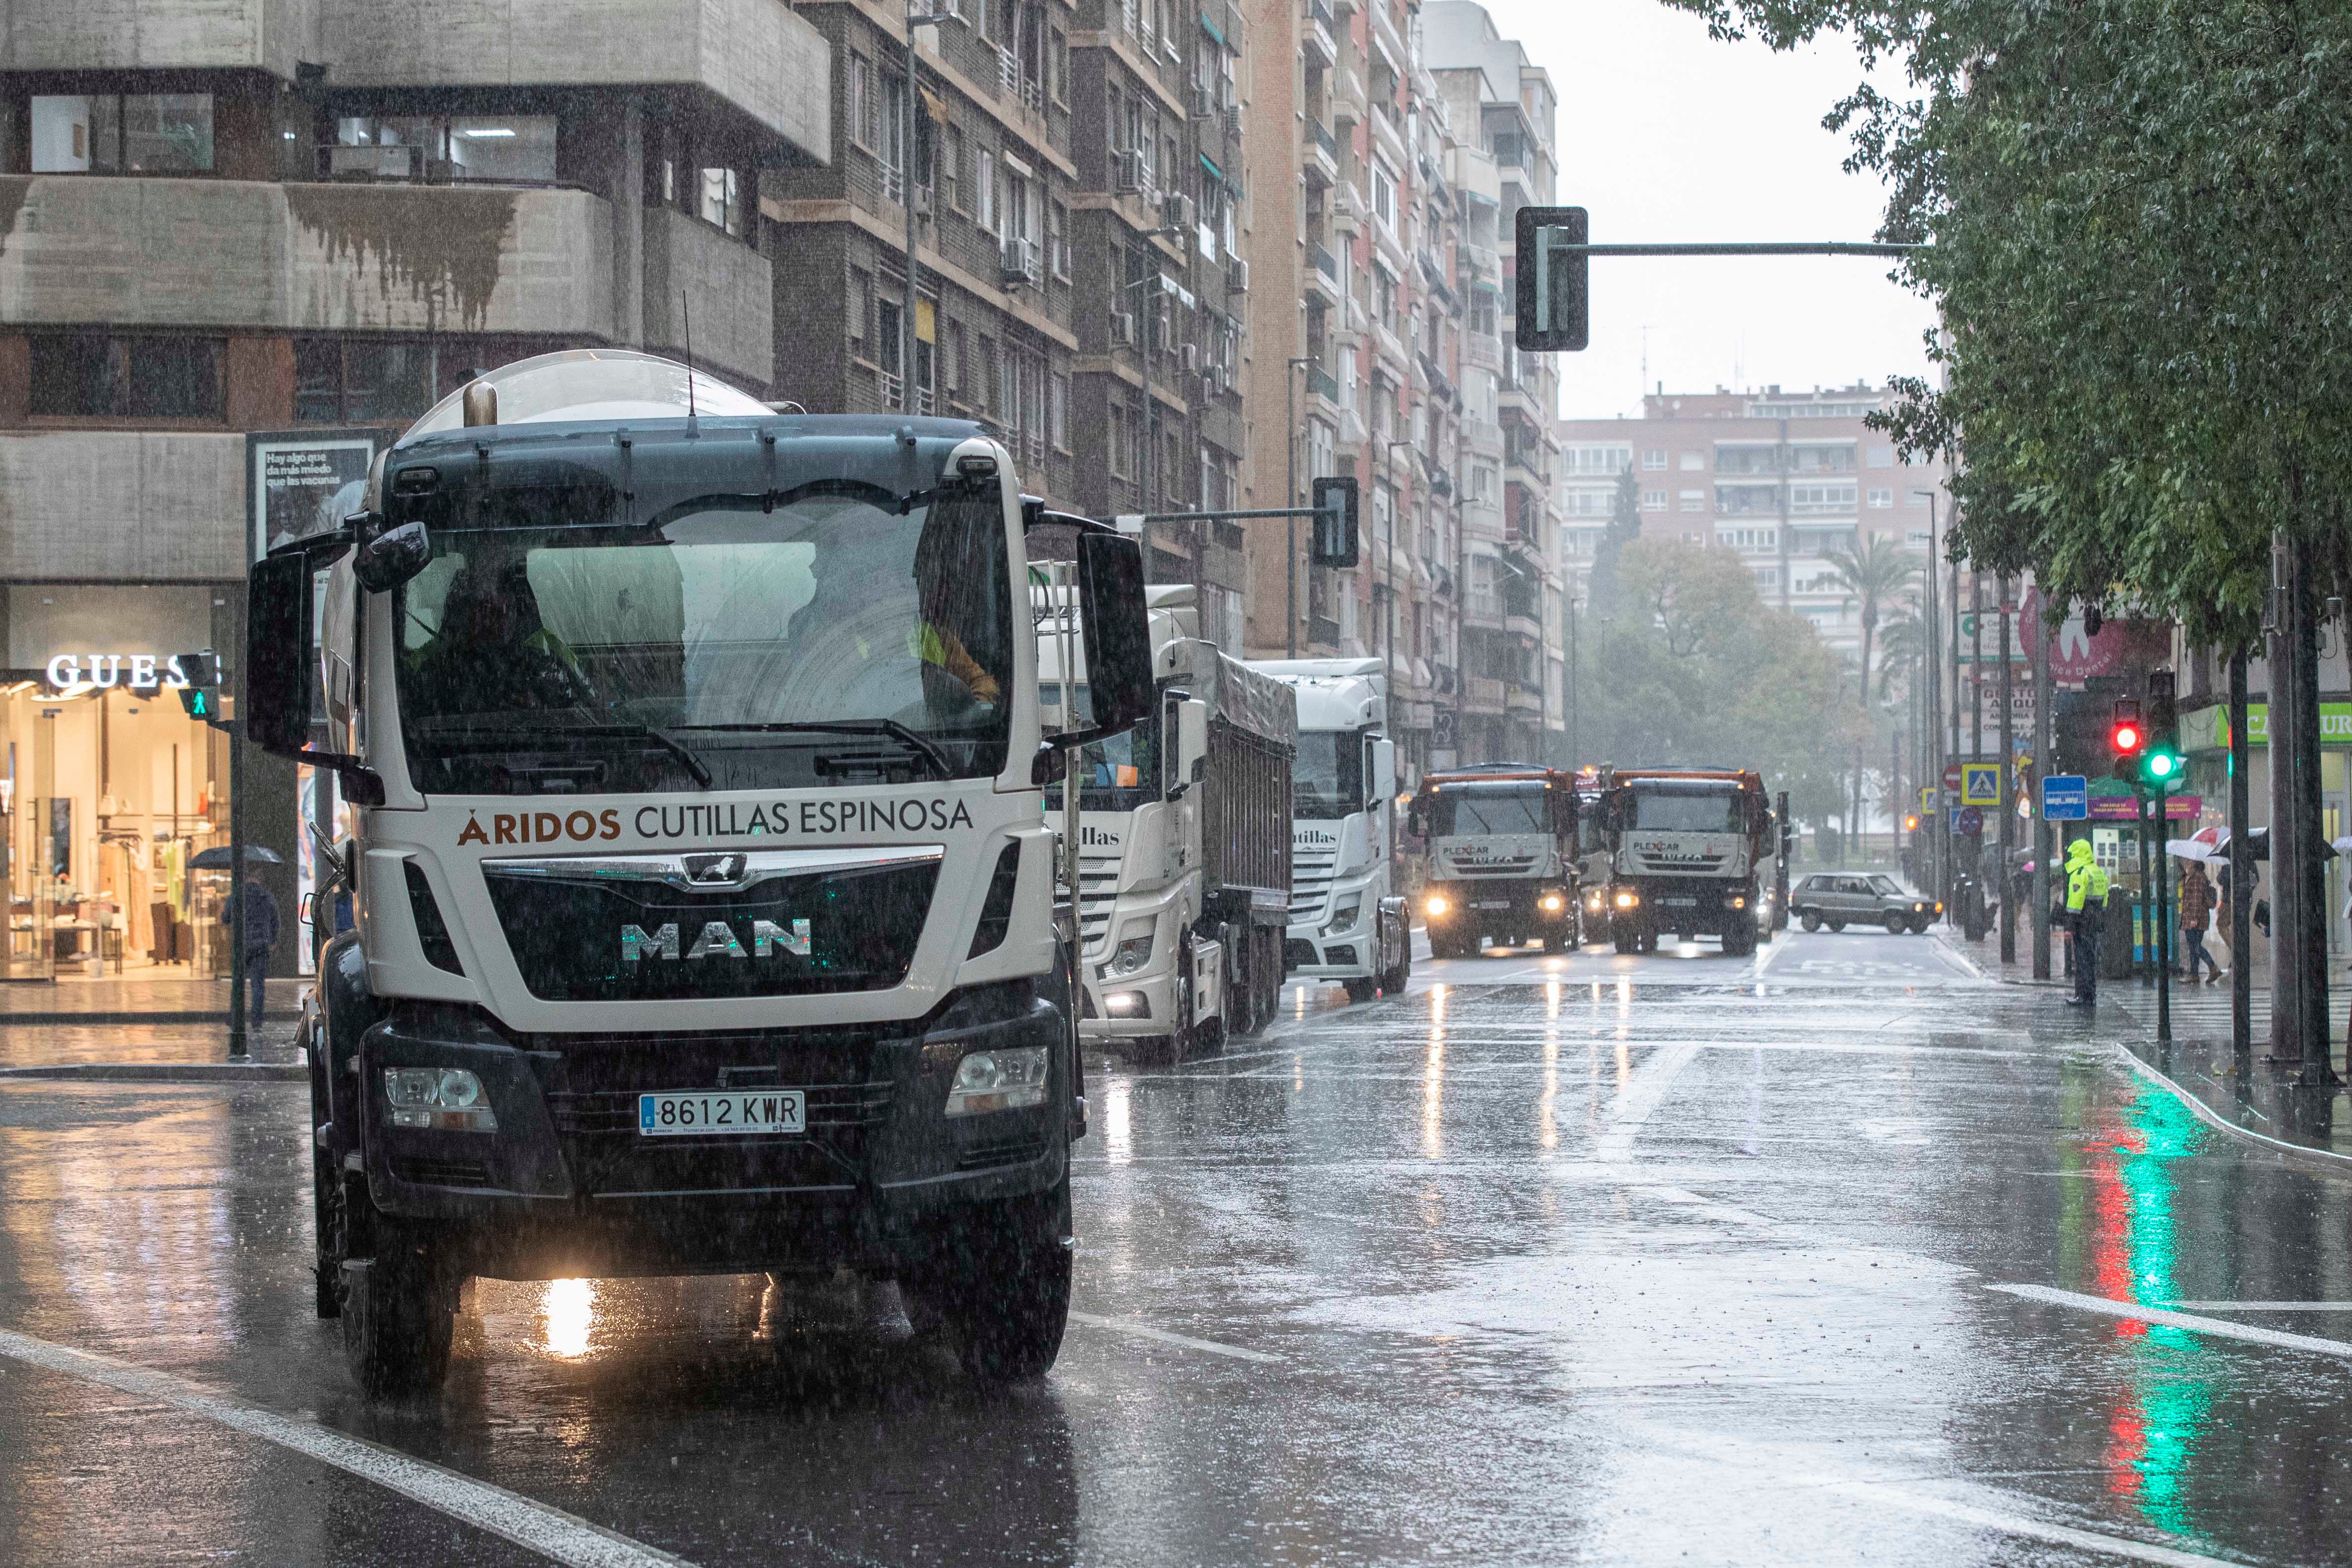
[[1008, 1296], [396, 1318]]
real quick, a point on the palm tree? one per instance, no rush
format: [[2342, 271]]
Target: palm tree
[[1874, 572], [1902, 650]]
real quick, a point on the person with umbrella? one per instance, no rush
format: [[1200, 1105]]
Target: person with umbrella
[[2195, 914], [251, 917]]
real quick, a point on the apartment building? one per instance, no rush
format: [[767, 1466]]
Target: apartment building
[[1512, 704], [241, 245], [1782, 477]]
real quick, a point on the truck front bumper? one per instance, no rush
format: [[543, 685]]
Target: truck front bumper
[[1129, 1006], [1499, 909], [566, 1185], [1702, 906]]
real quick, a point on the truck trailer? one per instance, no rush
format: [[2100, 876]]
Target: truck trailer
[[692, 765], [1345, 922], [1502, 858], [1184, 849]]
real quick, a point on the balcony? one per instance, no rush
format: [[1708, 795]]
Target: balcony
[[1320, 154], [1315, 37], [235, 253], [1480, 351], [1385, 39], [756, 55], [1484, 695], [1321, 385], [1524, 701], [728, 287]]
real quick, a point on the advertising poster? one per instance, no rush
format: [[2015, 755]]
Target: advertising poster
[[301, 482]]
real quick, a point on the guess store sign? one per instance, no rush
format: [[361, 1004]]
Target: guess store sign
[[76, 672]]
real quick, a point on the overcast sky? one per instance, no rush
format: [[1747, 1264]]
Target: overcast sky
[[1668, 135]]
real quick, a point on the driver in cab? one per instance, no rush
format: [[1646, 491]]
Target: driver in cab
[[493, 651]]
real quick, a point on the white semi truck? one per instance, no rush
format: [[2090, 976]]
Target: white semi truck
[[1184, 843], [706, 910], [1346, 922]]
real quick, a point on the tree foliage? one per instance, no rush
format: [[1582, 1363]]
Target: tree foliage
[[1693, 668], [2140, 214]]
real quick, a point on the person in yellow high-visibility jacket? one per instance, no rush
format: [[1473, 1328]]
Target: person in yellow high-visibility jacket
[[2087, 911]]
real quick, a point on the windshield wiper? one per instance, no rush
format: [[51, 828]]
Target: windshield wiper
[[522, 735], [914, 741]]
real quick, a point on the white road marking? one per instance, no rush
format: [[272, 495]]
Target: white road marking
[[552, 1534], [2219, 1328], [2262, 1306], [1143, 1331], [1632, 1109]]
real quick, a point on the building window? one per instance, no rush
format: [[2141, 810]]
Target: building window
[[1592, 459], [1882, 498], [983, 180], [722, 200], [495, 149], [1653, 501], [1384, 197], [1057, 412], [1694, 462], [1694, 501], [377, 380], [1119, 465], [951, 168], [1653, 461], [860, 310], [1821, 498], [985, 382], [1057, 240], [134, 133], [951, 372], [865, 108], [94, 375], [1731, 459]]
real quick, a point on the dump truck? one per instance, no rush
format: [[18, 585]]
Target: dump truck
[[1185, 849], [1686, 846], [1502, 858]]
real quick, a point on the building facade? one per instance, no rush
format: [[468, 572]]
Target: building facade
[[1783, 477], [242, 246]]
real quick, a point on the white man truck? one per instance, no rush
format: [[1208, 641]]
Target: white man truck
[[692, 764], [1502, 859], [1346, 923], [1686, 849], [1184, 844]]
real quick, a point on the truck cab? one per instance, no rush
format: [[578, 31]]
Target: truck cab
[[1686, 849], [690, 765], [1346, 923], [1502, 859]]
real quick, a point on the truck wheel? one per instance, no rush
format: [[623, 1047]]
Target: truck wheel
[[1361, 991], [1393, 981], [1555, 941], [1008, 1298], [1628, 940], [1810, 921], [1270, 968], [1740, 940], [396, 1311]]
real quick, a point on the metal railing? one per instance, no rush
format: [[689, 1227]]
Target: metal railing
[[1324, 139], [1327, 264], [1319, 382]]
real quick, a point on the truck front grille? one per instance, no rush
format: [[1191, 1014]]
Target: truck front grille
[[1310, 883]]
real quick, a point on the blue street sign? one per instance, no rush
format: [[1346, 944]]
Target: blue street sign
[[2065, 797]]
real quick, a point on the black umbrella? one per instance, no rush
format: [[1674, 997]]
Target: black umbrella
[[216, 859]]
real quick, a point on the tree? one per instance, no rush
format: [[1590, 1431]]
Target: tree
[[1624, 527], [1874, 572]]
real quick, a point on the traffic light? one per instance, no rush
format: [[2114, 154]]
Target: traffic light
[[1334, 522], [201, 695], [1552, 291], [1911, 823], [2127, 737], [2161, 767]]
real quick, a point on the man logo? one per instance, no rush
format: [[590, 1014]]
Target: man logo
[[717, 940], [718, 871]]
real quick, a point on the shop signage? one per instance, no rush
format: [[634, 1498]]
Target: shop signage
[[2208, 729], [134, 672], [2126, 807]]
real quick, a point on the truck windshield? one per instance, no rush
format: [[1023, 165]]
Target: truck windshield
[[1472, 809], [1116, 774], [719, 645], [1686, 810], [1327, 781]]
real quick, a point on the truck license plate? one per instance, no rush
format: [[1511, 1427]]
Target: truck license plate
[[1492, 904], [705, 1115], [1680, 903]]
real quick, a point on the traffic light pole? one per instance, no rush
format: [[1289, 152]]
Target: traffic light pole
[[2163, 928]]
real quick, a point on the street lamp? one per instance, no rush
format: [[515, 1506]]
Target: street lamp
[[907, 194], [1290, 436], [1151, 422], [1388, 576], [1941, 837]]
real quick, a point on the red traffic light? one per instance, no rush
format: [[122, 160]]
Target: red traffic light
[[2124, 738]]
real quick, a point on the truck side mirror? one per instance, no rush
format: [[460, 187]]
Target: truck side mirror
[[1563, 814], [392, 557], [274, 707], [1192, 743], [1117, 624], [1380, 773], [1416, 817]]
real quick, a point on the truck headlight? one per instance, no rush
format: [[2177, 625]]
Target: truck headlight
[[1552, 903], [999, 1080], [1627, 901], [446, 1100], [1739, 902], [1134, 949], [1344, 916], [1435, 905]]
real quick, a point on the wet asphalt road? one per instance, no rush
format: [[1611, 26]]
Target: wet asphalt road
[[1586, 1259]]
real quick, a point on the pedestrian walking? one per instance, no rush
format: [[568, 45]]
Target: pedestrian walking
[[255, 919], [2196, 915], [2087, 911]]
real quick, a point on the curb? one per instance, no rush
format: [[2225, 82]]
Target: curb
[[116, 1017], [2317, 1158], [166, 1072]]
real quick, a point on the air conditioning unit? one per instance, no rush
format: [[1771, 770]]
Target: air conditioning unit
[[1192, 359], [1133, 173], [1019, 261], [1161, 336], [1237, 276], [1176, 211], [1234, 123], [1122, 328]]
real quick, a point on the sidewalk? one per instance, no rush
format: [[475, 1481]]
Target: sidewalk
[[37, 1046], [135, 999]]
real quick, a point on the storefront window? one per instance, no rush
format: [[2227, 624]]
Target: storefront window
[[135, 133]]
